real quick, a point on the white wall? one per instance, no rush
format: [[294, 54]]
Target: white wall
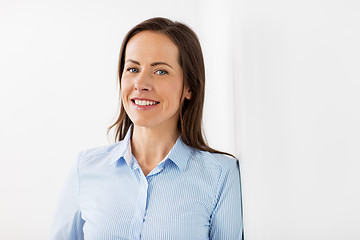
[[299, 85], [282, 82]]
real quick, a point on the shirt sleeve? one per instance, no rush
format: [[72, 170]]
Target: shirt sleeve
[[68, 224], [226, 219]]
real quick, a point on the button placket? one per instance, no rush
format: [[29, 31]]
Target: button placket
[[140, 206]]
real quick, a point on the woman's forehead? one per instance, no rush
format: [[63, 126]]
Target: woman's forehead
[[151, 46]]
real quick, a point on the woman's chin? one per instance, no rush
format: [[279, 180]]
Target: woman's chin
[[143, 123]]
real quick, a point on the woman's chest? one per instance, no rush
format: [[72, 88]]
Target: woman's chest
[[127, 209]]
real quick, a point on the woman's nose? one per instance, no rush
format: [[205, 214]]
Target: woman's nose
[[142, 83]]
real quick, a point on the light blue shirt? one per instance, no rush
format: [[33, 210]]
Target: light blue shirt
[[191, 194]]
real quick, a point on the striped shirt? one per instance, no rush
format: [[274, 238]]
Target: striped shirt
[[191, 194]]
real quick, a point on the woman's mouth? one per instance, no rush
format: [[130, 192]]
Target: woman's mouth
[[144, 104]]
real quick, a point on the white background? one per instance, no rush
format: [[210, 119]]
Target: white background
[[282, 93]]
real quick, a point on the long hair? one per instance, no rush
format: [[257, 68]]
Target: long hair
[[192, 64]]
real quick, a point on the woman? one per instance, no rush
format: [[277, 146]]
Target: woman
[[160, 180]]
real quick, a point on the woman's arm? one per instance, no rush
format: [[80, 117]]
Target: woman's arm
[[68, 224], [226, 219]]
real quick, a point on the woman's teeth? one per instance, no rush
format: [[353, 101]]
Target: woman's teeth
[[144, 103]]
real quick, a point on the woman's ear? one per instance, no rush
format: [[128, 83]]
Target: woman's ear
[[187, 93]]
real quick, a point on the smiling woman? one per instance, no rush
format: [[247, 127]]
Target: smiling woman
[[152, 85], [160, 180]]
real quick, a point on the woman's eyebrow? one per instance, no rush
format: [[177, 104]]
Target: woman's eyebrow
[[153, 64], [133, 61], [160, 63]]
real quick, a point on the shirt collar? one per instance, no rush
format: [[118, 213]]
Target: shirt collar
[[120, 149], [179, 154]]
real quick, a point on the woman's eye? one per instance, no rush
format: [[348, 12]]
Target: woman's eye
[[133, 70], [161, 72]]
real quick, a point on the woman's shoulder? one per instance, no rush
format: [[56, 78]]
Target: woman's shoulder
[[101, 153], [215, 168], [220, 160], [99, 150]]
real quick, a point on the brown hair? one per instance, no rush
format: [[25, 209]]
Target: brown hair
[[192, 64]]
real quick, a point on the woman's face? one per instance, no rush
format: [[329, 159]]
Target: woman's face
[[152, 81]]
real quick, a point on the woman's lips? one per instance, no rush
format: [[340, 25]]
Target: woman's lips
[[144, 104]]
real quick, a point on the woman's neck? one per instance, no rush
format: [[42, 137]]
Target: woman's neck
[[150, 145]]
